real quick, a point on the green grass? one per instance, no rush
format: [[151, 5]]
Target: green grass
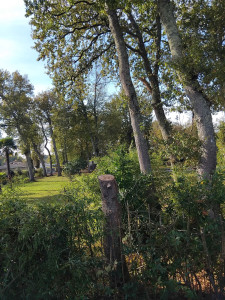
[[47, 189]]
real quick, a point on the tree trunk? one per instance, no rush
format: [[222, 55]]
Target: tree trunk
[[93, 136], [49, 153], [55, 148], [199, 102], [112, 231], [128, 87], [64, 152], [41, 159], [30, 165], [152, 84], [8, 164], [96, 139]]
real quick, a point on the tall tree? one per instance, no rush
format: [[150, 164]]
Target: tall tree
[[15, 94], [7, 145], [127, 84], [82, 38], [36, 141], [45, 103], [198, 99], [144, 41], [46, 146]]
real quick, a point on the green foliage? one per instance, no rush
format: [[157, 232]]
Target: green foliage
[[122, 163], [186, 147], [7, 143], [173, 244], [74, 167], [24, 173], [39, 172], [85, 187], [49, 252], [164, 229], [221, 143], [183, 147], [3, 178], [55, 251]]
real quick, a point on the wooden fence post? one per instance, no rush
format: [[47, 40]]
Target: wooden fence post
[[112, 231]]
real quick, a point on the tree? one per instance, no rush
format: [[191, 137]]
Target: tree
[[198, 99], [125, 77], [15, 95], [144, 41], [45, 103], [36, 141], [46, 147], [7, 145], [204, 22], [80, 45]]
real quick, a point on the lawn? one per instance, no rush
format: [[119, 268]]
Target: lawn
[[47, 189]]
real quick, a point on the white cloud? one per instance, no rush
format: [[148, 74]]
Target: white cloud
[[41, 87], [12, 10], [6, 49]]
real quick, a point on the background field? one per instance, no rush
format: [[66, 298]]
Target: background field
[[46, 189]]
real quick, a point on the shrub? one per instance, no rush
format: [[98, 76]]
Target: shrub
[[170, 239], [123, 164], [19, 172], [39, 172], [3, 178], [50, 252], [22, 173], [74, 167]]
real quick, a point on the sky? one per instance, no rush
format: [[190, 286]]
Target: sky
[[16, 53]]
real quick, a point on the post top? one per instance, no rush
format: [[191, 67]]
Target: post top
[[106, 177]]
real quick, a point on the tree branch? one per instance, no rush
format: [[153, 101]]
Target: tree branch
[[158, 45], [146, 83], [133, 49]]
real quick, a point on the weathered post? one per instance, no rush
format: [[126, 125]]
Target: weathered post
[[112, 231]]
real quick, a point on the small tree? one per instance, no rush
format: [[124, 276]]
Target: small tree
[[7, 145]]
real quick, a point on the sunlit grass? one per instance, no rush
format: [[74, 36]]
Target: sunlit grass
[[48, 189], [45, 189]]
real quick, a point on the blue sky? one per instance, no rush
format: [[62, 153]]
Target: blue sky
[[16, 51]]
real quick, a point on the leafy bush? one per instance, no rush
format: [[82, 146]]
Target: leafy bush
[[39, 172], [170, 238], [175, 250], [3, 178], [74, 167], [180, 251], [50, 252], [22, 173], [123, 164], [19, 172]]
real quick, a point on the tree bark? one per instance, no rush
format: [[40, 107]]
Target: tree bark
[[49, 154], [30, 165], [55, 148], [153, 84], [112, 231], [199, 102], [96, 139], [7, 163], [65, 156], [41, 159], [93, 138], [128, 87]]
